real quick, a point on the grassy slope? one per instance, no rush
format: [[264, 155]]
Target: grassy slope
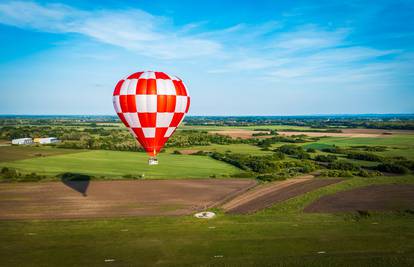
[[235, 148], [114, 164], [279, 236]]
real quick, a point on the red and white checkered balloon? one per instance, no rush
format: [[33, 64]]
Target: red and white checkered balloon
[[152, 105]]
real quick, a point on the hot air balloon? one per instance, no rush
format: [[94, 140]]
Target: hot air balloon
[[151, 105]]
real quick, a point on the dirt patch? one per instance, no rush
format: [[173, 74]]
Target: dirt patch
[[236, 133], [188, 151], [369, 198], [270, 194], [55, 200]]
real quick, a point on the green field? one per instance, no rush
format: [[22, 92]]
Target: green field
[[234, 148], [279, 236], [115, 164]]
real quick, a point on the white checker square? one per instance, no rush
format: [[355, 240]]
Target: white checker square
[[147, 75], [117, 105], [164, 119], [169, 131], [149, 132], [146, 103], [165, 87], [132, 119], [181, 103], [132, 87], [124, 87]]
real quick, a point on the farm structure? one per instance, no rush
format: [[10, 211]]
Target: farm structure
[[22, 141], [46, 140]]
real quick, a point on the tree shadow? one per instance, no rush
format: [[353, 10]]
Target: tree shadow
[[76, 181]]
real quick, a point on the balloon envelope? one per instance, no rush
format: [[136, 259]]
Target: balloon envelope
[[152, 105]]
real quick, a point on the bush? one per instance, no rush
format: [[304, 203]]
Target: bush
[[334, 149], [336, 173], [343, 165], [311, 150], [364, 156], [392, 168], [365, 173], [325, 158]]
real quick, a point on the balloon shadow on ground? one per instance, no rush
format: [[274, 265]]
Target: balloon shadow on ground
[[76, 181]]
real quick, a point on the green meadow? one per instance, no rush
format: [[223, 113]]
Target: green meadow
[[116, 164]]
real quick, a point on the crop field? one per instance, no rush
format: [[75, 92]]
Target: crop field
[[279, 236], [115, 164]]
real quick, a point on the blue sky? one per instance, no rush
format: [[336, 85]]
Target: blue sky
[[236, 57]]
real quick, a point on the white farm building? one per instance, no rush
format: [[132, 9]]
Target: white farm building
[[22, 141], [46, 140]]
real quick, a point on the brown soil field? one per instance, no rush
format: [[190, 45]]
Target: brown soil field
[[236, 133], [369, 198], [269, 194], [102, 199], [188, 151]]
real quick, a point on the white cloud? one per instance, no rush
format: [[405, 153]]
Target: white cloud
[[132, 29]]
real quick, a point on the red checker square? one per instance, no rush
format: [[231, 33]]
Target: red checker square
[[123, 102], [176, 119], [148, 119], [131, 103], [159, 135], [122, 118], [178, 87], [146, 87], [135, 75], [161, 75], [118, 87], [166, 103]]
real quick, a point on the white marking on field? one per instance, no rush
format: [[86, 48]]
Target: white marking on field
[[321, 252], [109, 260], [218, 256], [211, 227], [205, 215]]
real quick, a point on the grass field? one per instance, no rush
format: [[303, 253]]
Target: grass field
[[115, 164], [279, 236], [234, 148]]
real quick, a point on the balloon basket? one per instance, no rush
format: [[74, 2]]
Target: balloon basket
[[152, 161]]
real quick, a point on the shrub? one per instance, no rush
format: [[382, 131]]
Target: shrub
[[336, 173], [311, 150], [343, 165], [325, 158], [364, 156], [392, 167]]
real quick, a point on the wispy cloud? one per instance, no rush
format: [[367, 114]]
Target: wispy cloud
[[132, 29]]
